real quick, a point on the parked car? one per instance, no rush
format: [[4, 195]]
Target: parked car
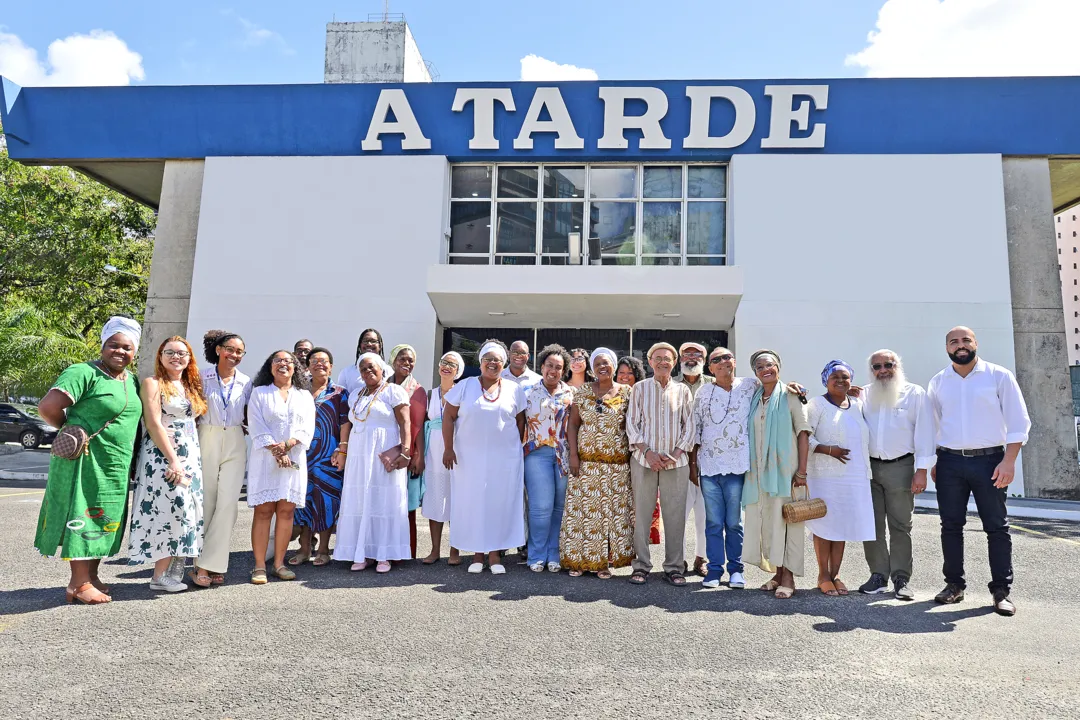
[[22, 424]]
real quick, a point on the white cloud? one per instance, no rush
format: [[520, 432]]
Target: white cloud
[[100, 58], [255, 35], [934, 38], [537, 69]]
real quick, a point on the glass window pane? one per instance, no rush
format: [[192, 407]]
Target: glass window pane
[[662, 227], [618, 341], [561, 219], [662, 182], [564, 182], [470, 260], [705, 261], [470, 227], [646, 260], [705, 228], [613, 182], [468, 181], [516, 228], [706, 181], [553, 260], [618, 260], [518, 182], [515, 259], [611, 228]]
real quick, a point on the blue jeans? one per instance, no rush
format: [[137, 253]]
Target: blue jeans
[[723, 523], [545, 485]]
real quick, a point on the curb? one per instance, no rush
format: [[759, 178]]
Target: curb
[[10, 475], [1016, 510]]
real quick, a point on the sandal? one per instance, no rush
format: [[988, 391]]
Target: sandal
[[284, 573], [827, 588], [771, 585], [299, 559], [199, 578], [784, 593], [431, 560], [85, 594], [321, 559], [674, 578], [604, 574], [383, 567], [217, 579], [575, 573], [639, 577], [841, 588], [258, 576]]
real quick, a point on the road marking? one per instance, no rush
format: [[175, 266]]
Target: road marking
[[1047, 535], [31, 492]]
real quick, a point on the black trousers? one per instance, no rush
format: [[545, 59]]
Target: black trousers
[[958, 478]]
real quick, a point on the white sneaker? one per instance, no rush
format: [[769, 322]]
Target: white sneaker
[[537, 567], [167, 583], [554, 567], [714, 583], [736, 581], [476, 568], [498, 569]]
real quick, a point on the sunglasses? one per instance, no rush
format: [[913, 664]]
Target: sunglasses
[[887, 366], [721, 358]]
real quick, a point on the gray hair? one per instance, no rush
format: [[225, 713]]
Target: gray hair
[[883, 351]]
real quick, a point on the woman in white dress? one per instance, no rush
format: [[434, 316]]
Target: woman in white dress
[[839, 474], [483, 430], [436, 507], [281, 416], [373, 523]]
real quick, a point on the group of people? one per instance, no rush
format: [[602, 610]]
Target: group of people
[[575, 462]]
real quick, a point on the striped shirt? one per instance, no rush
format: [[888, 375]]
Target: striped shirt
[[661, 418]]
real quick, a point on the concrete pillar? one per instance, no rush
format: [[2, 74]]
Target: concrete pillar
[[169, 294], [1042, 362]]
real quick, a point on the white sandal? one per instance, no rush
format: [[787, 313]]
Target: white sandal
[[498, 569], [476, 568]]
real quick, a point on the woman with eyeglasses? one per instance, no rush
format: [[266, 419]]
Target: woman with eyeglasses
[[483, 427], [282, 416], [224, 452], [436, 503], [578, 371], [166, 524], [370, 341], [598, 518]]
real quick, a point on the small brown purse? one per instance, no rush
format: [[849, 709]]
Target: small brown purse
[[72, 441], [808, 508]]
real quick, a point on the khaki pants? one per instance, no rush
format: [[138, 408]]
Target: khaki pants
[[672, 485], [890, 488], [224, 457]]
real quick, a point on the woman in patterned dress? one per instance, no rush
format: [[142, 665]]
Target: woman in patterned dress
[[598, 519], [167, 508], [325, 460]]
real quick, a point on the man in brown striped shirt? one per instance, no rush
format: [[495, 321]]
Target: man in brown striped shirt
[[660, 427]]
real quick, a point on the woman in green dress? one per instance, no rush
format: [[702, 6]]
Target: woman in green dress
[[83, 513]]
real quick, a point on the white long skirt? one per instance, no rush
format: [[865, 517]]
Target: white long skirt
[[436, 505], [850, 507], [374, 518]]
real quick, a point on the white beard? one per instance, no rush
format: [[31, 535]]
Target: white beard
[[886, 394], [689, 370]]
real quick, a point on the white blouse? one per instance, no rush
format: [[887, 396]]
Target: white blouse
[[272, 420], [828, 428]]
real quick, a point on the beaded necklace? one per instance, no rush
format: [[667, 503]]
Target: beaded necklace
[[371, 402], [727, 409], [498, 391]]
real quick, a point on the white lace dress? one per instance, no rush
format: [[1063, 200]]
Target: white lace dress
[[271, 420]]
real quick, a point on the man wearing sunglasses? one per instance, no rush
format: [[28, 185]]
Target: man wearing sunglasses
[[901, 452]]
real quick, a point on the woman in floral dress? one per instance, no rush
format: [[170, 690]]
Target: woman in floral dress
[[598, 518], [167, 508]]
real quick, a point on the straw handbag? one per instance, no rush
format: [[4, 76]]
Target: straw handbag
[[808, 508]]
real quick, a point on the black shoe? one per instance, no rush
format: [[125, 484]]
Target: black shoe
[[875, 585], [951, 595], [1002, 604], [902, 590]]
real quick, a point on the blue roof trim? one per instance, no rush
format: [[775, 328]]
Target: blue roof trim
[[1011, 116]]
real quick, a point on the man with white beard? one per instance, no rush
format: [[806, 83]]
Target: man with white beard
[[901, 424], [691, 364]]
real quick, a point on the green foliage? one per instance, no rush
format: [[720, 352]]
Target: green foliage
[[58, 231]]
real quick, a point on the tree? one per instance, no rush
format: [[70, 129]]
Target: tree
[[58, 231]]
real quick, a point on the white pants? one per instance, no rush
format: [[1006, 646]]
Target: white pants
[[224, 457], [695, 501]]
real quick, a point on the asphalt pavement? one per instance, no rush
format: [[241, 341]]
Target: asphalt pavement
[[437, 642]]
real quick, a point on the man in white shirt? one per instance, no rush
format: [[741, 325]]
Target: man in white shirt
[[517, 370], [691, 364], [901, 452], [982, 422]]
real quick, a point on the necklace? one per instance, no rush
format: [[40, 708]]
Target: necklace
[[498, 391], [101, 366], [371, 402], [726, 409], [841, 405]]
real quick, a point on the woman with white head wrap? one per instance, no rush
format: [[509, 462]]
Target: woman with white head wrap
[[86, 499], [483, 425], [436, 502]]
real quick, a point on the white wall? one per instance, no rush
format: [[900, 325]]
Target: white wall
[[414, 67], [319, 247]]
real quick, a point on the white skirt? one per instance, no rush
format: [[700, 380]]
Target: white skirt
[[436, 505], [850, 507]]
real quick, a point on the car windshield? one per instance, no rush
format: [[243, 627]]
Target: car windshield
[[29, 410]]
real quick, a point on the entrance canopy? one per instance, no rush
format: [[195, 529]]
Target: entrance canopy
[[590, 296]]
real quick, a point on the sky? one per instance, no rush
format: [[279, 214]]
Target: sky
[[114, 42]]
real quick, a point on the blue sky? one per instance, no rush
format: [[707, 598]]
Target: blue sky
[[273, 41]]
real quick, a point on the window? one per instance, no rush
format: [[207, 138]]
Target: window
[[624, 214]]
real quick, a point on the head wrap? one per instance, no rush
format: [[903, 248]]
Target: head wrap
[[759, 353], [398, 348], [125, 326], [456, 357], [387, 371], [663, 346], [832, 367], [493, 348], [699, 346], [606, 353]]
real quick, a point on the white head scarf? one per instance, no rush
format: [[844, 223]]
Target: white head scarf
[[456, 357], [597, 353], [387, 371], [125, 326], [492, 348]]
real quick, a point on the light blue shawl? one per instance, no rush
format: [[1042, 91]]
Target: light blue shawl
[[781, 448]]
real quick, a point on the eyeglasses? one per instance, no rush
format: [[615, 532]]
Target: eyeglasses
[[721, 358], [519, 353], [577, 359], [491, 359], [319, 361], [692, 356], [283, 361], [887, 366], [176, 353], [448, 364], [233, 351]]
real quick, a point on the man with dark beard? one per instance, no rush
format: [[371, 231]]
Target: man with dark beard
[[901, 452], [982, 422]]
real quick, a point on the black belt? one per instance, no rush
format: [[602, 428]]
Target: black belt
[[902, 457], [973, 453]]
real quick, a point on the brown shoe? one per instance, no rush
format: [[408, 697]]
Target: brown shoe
[[951, 595], [700, 566]]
